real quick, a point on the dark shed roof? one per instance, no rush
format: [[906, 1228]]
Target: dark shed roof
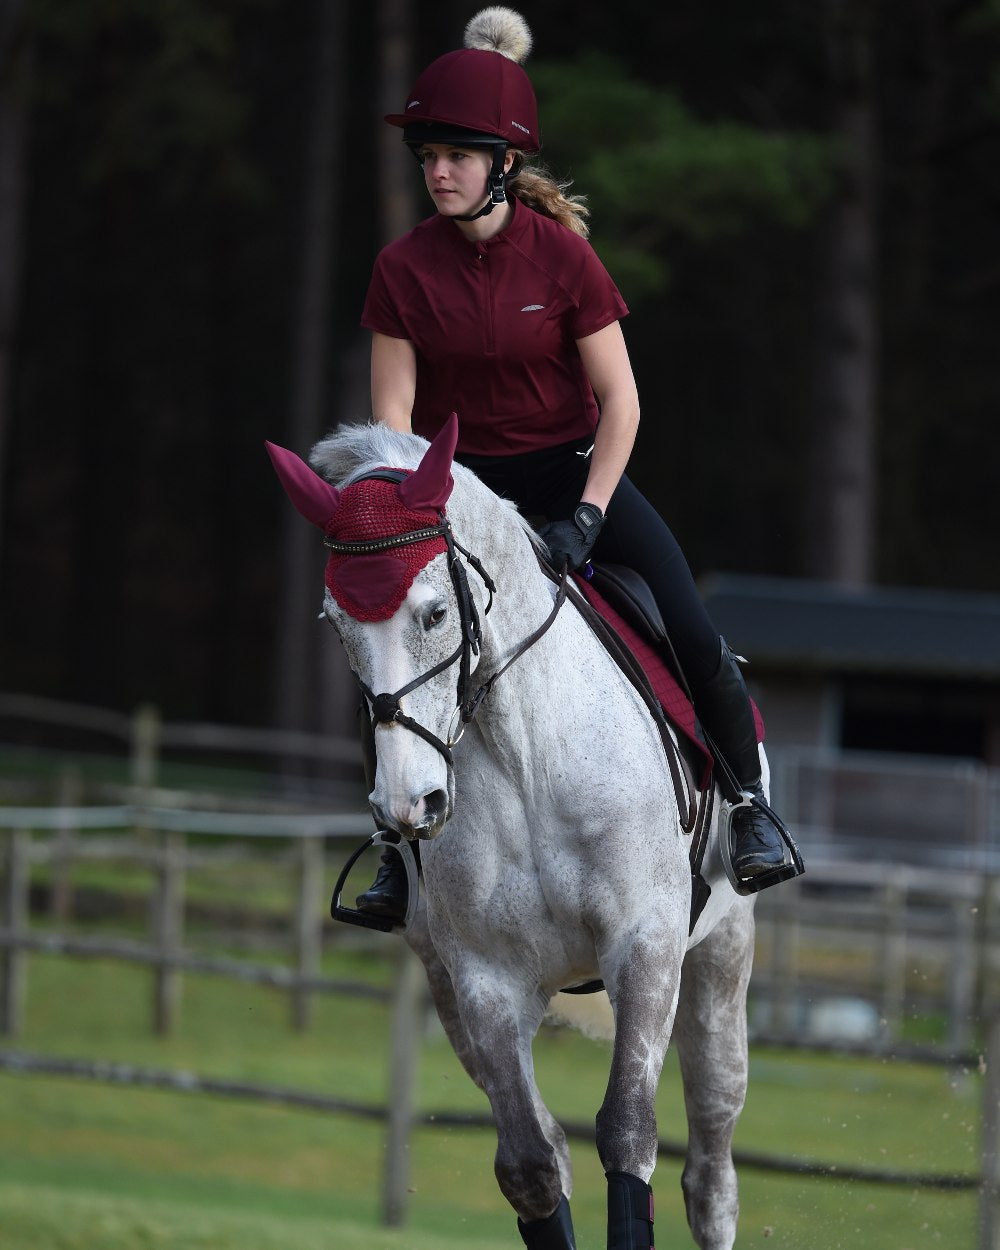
[[787, 623]]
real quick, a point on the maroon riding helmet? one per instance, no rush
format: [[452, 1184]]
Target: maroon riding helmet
[[478, 96]]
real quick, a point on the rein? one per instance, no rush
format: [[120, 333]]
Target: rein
[[385, 707]]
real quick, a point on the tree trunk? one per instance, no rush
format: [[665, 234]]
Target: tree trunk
[[299, 690], [397, 169], [397, 214], [15, 66], [842, 480]]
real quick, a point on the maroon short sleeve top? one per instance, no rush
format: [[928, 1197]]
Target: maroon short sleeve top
[[494, 325]]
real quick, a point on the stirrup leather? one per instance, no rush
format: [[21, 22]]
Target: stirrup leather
[[369, 920], [793, 865]]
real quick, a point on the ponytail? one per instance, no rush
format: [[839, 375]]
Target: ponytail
[[535, 186]]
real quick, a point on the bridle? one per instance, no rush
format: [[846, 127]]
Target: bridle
[[385, 707]]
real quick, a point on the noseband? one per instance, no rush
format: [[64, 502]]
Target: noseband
[[385, 707]]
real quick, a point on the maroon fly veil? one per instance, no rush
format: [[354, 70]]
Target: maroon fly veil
[[370, 570]]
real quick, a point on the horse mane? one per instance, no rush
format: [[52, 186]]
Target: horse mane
[[351, 450]]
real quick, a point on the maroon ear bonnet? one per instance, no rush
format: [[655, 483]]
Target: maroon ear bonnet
[[371, 586]]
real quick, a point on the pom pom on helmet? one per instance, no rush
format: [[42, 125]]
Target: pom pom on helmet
[[498, 29]]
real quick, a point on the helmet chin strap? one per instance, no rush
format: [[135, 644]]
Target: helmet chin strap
[[495, 183]]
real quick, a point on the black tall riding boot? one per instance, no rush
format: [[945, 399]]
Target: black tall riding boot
[[724, 709], [389, 893]]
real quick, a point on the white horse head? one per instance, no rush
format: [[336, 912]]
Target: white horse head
[[398, 606]]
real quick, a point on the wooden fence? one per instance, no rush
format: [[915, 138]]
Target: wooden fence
[[157, 840], [145, 735], [905, 941], [900, 939], [904, 917]]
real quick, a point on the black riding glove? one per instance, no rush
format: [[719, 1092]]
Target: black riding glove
[[571, 542]]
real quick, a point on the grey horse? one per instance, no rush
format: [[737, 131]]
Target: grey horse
[[553, 851]]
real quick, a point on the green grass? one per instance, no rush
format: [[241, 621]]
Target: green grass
[[110, 1168], [85, 1166]]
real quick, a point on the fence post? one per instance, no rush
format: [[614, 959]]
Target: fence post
[[144, 765], [13, 958], [60, 883], [894, 957], [989, 1187], [785, 965], [145, 747], [984, 1005], [167, 907], [406, 1037], [308, 922], [962, 976]]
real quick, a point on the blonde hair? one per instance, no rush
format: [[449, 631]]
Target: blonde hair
[[535, 186]]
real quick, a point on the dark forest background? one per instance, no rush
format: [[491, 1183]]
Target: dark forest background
[[800, 203]]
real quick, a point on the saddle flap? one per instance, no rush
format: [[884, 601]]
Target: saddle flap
[[630, 596]]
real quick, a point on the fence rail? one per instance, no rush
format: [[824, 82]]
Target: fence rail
[[883, 919], [932, 811], [894, 937], [161, 847], [191, 1083], [55, 838], [146, 734]]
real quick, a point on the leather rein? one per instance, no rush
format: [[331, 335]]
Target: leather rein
[[385, 707]]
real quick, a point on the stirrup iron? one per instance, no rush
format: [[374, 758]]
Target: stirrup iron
[[793, 865], [370, 920]]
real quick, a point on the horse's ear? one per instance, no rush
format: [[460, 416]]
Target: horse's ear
[[316, 499], [430, 484]]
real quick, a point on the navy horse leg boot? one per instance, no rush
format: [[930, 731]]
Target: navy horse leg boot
[[555, 1232], [724, 708], [630, 1212]]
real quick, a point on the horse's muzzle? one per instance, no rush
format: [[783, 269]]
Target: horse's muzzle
[[424, 818]]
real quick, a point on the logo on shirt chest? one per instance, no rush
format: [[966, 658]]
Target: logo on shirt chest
[[533, 308]]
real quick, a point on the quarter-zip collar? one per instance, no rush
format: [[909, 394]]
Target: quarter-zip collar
[[514, 226]]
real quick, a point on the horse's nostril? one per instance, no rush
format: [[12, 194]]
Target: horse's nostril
[[436, 806]]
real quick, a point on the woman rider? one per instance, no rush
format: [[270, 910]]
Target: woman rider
[[498, 308]]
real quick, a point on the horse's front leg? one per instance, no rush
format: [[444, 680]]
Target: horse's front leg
[[530, 1168], [642, 981], [443, 993]]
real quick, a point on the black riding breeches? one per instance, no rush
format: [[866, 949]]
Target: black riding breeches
[[546, 486]]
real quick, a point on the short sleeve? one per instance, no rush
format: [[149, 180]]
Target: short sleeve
[[598, 300], [381, 308]]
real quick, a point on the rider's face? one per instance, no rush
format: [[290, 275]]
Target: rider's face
[[456, 177]]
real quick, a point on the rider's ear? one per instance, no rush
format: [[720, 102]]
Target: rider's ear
[[430, 483]]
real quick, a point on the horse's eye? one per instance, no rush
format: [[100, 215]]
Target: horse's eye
[[436, 615]]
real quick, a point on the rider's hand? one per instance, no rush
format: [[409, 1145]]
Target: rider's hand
[[571, 542]]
